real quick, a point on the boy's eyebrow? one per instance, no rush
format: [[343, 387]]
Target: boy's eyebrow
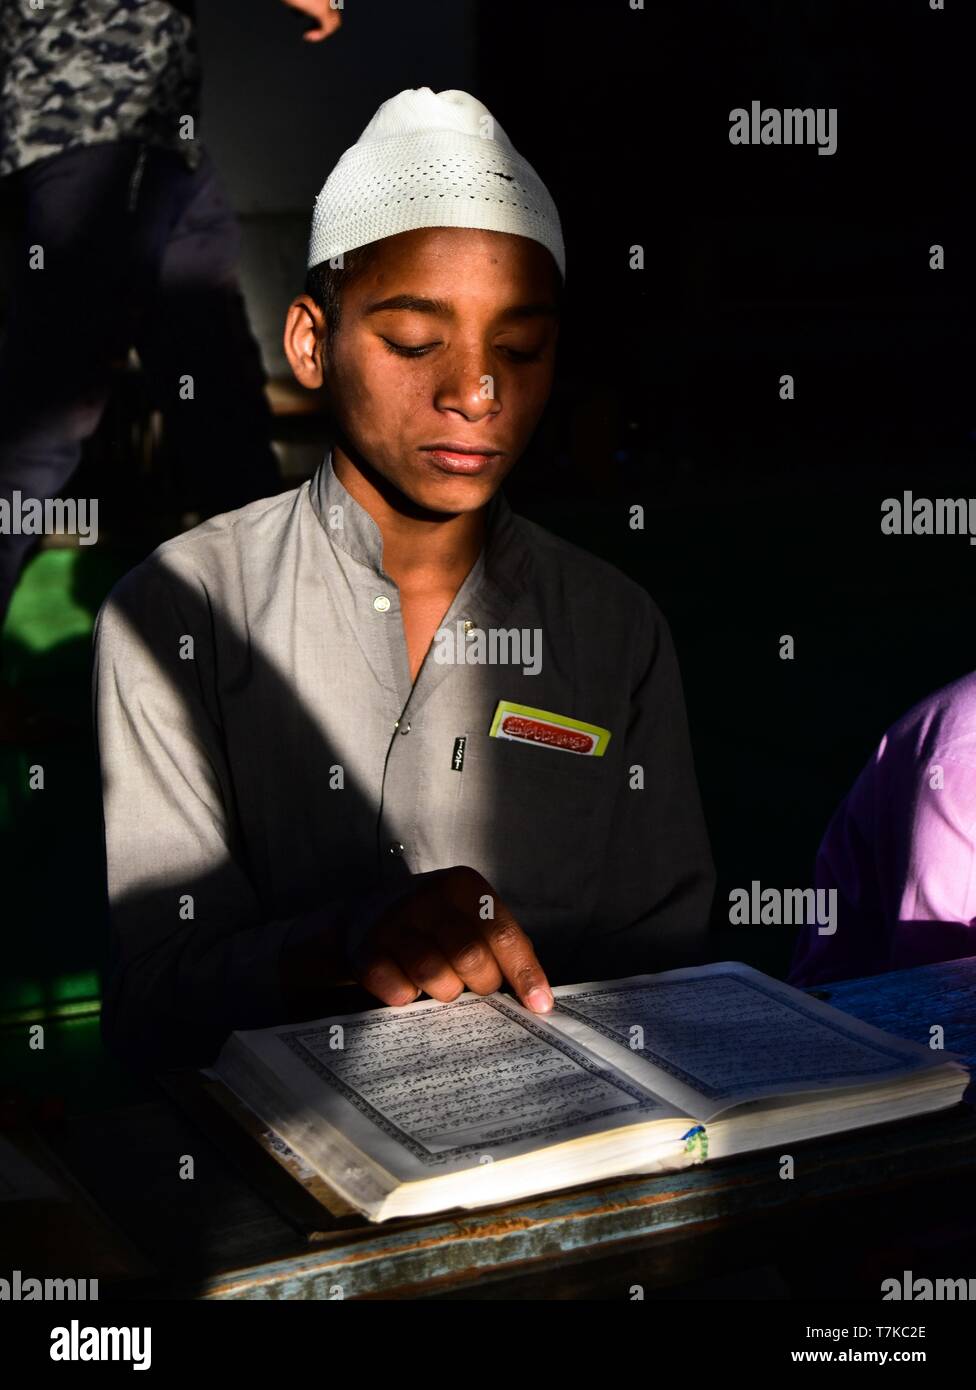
[[444, 309], [409, 301]]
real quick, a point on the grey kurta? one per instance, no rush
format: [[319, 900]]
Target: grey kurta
[[267, 764]]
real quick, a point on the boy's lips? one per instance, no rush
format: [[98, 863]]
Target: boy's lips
[[459, 458]]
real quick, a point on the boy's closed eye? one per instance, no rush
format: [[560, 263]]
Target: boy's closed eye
[[421, 349]]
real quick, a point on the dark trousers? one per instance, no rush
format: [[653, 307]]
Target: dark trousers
[[140, 251]]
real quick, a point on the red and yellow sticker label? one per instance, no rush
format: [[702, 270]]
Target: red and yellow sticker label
[[527, 725]]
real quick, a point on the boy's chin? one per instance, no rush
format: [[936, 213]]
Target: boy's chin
[[455, 495], [451, 494]]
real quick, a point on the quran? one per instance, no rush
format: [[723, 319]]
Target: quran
[[434, 1106]]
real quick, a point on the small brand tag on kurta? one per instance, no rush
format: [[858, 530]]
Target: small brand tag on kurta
[[527, 725], [457, 757]]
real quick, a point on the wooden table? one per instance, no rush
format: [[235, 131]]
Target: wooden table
[[859, 1205]]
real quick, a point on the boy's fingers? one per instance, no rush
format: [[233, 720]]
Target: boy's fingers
[[470, 956], [382, 976], [422, 961], [518, 962]]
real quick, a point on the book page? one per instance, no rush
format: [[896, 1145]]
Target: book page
[[433, 1088], [714, 1036]]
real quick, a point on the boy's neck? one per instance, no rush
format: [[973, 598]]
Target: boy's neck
[[420, 552]]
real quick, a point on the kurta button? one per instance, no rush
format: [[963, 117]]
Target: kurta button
[[405, 728], [396, 848], [469, 626], [381, 603]]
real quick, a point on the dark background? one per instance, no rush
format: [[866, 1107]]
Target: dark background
[[762, 516]]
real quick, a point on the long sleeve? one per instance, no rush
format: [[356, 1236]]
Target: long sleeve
[[658, 878], [191, 955], [900, 854]]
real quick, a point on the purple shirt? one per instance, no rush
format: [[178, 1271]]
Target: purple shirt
[[901, 850]]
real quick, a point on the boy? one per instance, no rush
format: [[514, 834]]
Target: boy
[[309, 776]]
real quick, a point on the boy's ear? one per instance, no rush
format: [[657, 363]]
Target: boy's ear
[[305, 327]]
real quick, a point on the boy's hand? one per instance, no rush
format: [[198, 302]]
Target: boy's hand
[[436, 940], [327, 19]]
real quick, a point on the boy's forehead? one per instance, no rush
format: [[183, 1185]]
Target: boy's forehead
[[459, 259]]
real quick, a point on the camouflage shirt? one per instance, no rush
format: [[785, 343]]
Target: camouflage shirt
[[84, 72]]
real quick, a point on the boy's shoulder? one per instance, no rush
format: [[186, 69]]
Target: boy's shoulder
[[210, 561], [211, 555], [252, 529], [569, 573]]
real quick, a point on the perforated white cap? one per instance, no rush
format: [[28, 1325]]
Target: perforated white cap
[[431, 159]]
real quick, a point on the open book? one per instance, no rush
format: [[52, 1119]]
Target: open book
[[433, 1106]]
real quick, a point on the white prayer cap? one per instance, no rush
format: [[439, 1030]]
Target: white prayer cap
[[431, 159]]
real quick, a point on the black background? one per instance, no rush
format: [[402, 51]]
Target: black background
[[762, 516]]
